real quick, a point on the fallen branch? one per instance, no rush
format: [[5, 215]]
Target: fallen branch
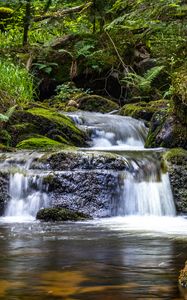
[[61, 13]]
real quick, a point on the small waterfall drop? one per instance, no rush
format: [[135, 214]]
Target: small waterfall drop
[[146, 189], [27, 192], [111, 131]]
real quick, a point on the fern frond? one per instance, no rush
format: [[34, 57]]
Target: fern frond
[[152, 73], [3, 118], [10, 111]]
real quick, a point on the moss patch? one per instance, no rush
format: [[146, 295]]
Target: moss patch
[[175, 156], [47, 123], [39, 143], [97, 104], [143, 110], [60, 214]]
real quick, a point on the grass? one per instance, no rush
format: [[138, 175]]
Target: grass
[[16, 85]]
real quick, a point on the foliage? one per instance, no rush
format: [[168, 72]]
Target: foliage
[[68, 91], [143, 83], [16, 82], [6, 116]]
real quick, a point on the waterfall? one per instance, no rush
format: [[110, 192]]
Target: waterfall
[[27, 192], [111, 131], [146, 189]]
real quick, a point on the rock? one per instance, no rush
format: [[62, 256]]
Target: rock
[[179, 82], [84, 182], [39, 143], [72, 103], [74, 160], [166, 131], [176, 161], [38, 124], [183, 277], [4, 195], [97, 104], [60, 214], [143, 110]]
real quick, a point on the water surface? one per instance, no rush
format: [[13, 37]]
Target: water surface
[[101, 259]]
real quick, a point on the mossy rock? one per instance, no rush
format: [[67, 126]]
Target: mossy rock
[[143, 110], [60, 214], [179, 82], [43, 143], [96, 103], [175, 161], [47, 123], [175, 156], [183, 277], [166, 131]]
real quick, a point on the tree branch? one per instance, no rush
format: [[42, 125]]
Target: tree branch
[[61, 13]]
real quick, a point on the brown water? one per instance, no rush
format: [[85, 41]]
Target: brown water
[[88, 261]]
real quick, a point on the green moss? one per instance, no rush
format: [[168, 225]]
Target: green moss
[[5, 137], [143, 110], [60, 214], [176, 155], [45, 122], [54, 117], [97, 104], [38, 143], [179, 82]]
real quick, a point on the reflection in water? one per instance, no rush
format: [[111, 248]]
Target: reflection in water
[[87, 261]]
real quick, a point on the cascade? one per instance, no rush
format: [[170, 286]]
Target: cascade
[[26, 190], [146, 188]]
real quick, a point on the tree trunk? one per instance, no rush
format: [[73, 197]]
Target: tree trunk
[[27, 20]]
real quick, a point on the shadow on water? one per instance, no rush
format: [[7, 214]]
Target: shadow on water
[[87, 261]]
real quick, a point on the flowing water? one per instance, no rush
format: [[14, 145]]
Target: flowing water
[[135, 254]]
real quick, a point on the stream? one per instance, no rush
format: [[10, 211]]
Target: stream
[[135, 253]]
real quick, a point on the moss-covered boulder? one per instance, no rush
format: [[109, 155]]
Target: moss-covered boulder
[[42, 126], [144, 110], [60, 214], [39, 143], [166, 130], [183, 277], [176, 162], [96, 104], [180, 93]]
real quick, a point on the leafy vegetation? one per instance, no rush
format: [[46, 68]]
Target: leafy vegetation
[[125, 51]]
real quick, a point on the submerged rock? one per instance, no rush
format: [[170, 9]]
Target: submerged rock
[[176, 161], [183, 277], [60, 214]]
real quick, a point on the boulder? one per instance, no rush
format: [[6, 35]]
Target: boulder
[[97, 104], [39, 126], [183, 277], [60, 214], [143, 110], [176, 162], [167, 131]]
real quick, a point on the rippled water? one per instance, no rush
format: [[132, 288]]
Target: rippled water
[[101, 259]]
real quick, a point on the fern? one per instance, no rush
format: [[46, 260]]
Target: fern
[[143, 83], [5, 117]]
